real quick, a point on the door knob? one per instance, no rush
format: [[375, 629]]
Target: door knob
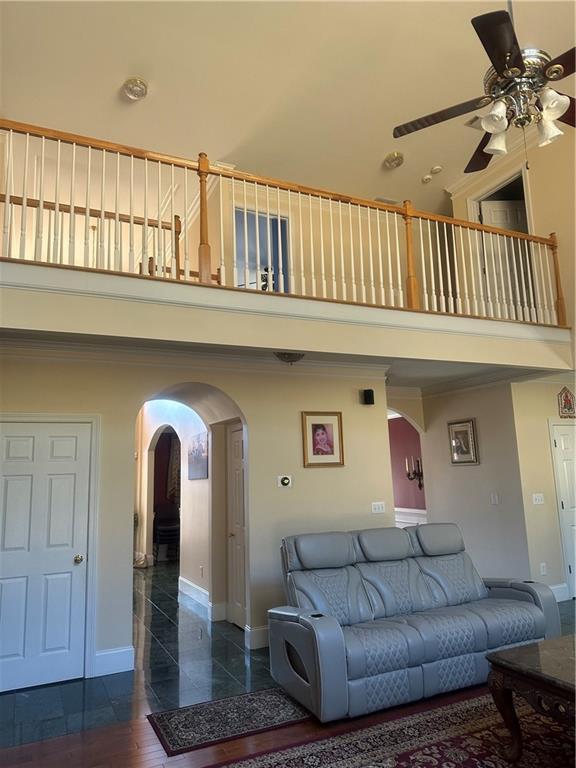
[[231, 535], [78, 559]]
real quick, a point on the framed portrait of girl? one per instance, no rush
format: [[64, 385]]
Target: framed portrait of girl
[[322, 439]]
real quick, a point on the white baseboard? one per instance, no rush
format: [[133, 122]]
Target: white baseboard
[[111, 661], [407, 516], [255, 637], [561, 592], [217, 611]]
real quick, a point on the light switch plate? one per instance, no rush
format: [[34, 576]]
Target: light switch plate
[[537, 498], [378, 507]]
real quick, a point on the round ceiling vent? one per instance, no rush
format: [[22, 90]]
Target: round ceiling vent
[[393, 160]]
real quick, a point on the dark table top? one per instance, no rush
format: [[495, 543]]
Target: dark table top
[[549, 660]]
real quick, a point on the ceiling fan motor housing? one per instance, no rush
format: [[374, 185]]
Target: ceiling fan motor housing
[[519, 91]]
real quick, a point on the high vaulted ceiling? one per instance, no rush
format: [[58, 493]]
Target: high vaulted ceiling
[[303, 91]]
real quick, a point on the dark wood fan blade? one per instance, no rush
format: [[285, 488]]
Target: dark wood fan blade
[[497, 35], [566, 60], [569, 117], [439, 117], [479, 159]]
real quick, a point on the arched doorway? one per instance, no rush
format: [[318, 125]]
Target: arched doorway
[[406, 464], [213, 524]]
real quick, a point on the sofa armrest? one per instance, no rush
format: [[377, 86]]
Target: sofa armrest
[[531, 591], [308, 659]]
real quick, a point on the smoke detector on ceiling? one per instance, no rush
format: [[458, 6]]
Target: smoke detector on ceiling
[[135, 88]]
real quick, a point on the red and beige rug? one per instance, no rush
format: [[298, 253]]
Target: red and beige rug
[[466, 734]]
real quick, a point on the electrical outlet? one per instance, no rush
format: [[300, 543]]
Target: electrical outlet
[[284, 481], [494, 499], [537, 498], [378, 507], [543, 569], [201, 571]]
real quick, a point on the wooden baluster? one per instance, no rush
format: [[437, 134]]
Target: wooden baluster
[[23, 219], [177, 229], [412, 286], [560, 304], [204, 257]]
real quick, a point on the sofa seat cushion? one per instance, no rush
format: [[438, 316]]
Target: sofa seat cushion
[[509, 621], [375, 647], [449, 632]]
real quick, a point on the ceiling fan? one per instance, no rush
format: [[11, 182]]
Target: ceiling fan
[[516, 85]]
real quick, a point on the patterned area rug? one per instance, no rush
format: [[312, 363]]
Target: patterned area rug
[[182, 730], [467, 734]]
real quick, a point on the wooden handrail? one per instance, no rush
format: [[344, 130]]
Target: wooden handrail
[[481, 227], [88, 141], [92, 212], [315, 192]]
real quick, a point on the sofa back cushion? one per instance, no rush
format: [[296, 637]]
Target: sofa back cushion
[[396, 587], [447, 568], [317, 550], [337, 592]]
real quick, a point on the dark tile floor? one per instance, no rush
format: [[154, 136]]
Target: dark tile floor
[[181, 658]]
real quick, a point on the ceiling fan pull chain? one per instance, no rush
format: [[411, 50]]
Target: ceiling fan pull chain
[[525, 148]]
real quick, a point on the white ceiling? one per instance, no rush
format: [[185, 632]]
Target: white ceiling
[[302, 91]]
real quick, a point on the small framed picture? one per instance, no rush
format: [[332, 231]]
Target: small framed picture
[[198, 457], [463, 446], [322, 439]]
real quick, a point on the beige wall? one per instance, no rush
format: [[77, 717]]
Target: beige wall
[[495, 535], [551, 194], [535, 406], [408, 401], [271, 398]]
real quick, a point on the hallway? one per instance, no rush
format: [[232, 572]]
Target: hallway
[[181, 659]]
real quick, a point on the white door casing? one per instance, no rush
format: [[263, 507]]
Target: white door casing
[[236, 528], [564, 466], [44, 502]]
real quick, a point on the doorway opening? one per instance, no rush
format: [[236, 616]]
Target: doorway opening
[[406, 458], [166, 508], [191, 522]]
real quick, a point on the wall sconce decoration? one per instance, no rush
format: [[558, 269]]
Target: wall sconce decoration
[[416, 473]]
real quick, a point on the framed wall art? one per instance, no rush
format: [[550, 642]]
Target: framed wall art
[[322, 439], [463, 445], [198, 457]]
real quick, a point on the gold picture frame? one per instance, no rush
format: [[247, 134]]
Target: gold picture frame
[[322, 441]]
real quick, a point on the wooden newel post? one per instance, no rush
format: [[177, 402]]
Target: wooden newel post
[[560, 304], [204, 258], [412, 286]]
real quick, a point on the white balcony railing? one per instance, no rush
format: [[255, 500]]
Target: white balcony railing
[[72, 201]]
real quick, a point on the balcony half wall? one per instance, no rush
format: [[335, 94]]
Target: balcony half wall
[[54, 299]]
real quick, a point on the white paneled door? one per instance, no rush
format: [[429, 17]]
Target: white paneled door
[[563, 437], [44, 493]]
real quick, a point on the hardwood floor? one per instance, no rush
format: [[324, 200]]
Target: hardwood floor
[[135, 745]]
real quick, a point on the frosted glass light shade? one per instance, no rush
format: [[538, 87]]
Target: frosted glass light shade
[[548, 132], [497, 144], [495, 121], [554, 105]]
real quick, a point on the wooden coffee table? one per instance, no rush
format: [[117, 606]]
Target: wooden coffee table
[[543, 674]]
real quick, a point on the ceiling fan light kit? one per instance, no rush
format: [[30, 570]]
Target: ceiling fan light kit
[[516, 86]]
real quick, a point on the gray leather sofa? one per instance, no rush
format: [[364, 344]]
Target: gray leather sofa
[[390, 615]]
